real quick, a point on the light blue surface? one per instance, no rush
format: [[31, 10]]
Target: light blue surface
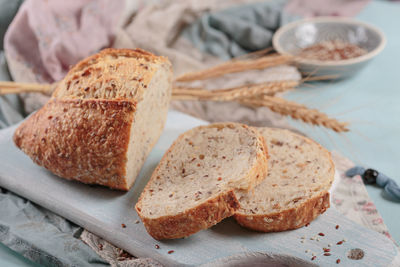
[[370, 101], [10, 258]]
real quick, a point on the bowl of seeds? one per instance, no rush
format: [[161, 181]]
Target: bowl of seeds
[[329, 46]]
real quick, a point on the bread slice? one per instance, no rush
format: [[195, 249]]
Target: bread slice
[[295, 191], [100, 123], [193, 187]]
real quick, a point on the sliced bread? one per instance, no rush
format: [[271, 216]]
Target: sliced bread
[[295, 191], [100, 123], [193, 187]]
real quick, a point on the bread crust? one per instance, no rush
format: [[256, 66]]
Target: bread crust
[[113, 52], [287, 219], [211, 211], [143, 72], [84, 140], [193, 220], [88, 135]]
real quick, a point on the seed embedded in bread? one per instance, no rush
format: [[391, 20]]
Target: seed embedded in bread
[[184, 195], [295, 191]]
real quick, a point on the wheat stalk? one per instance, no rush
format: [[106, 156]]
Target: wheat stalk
[[230, 94], [297, 111], [233, 66], [261, 94], [16, 88], [268, 88], [251, 95]]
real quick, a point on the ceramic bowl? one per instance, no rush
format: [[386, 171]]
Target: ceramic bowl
[[293, 37]]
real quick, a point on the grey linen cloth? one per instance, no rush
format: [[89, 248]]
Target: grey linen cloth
[[11, 110], [42, 236], [237, 30]]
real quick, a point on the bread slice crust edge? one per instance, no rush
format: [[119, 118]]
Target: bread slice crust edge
[[296, 217], [209, 212], [193, 220], [287, 219]]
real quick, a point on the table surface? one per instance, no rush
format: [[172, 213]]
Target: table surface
[[367, 101]]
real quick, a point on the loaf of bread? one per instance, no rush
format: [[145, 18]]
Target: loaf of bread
[[194, 185], [103, 118], [295, 191]]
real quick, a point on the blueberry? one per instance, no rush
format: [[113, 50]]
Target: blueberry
[[370, 176]]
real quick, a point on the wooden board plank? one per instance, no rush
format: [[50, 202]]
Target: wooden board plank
[[102, 211]]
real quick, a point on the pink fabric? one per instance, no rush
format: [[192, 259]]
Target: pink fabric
[[46, 37], [50, 36], [313, 8]]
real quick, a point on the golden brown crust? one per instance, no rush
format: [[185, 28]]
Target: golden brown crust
[[109, 69], [83, 132], [193, 220], [210, 212], [135, 53], [288, 219], [85, 140]]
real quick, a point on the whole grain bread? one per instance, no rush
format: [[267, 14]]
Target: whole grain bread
[[194, 185], [103, 118], [295, 191]]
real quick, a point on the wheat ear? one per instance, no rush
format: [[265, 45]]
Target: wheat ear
[[298, 112], [16, 88], [233, 66], [241, 92]]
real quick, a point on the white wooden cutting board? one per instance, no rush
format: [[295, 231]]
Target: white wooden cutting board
[[102, 211]]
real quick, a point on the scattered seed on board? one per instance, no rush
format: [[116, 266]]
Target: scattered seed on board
[[171, 251], [313, 258], [339, 243], [337, 227], [137, 221], [123, 225], [337, 261], [327, 254], [321, 234], [326, 250], [157, 246]]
